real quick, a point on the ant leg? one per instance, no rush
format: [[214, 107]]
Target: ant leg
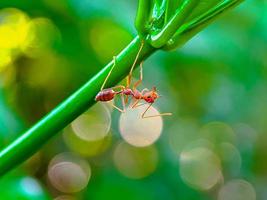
[[106, 79], [123, 105], [161, 114], [125, 100], [141, 76], [135, 103], [129, 77], [141, 104], [137, 100], [122, 111], [119, 86]]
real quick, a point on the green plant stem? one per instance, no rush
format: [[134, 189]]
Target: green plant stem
[[32, 140]]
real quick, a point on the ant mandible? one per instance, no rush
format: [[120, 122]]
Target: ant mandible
[[149, 96]]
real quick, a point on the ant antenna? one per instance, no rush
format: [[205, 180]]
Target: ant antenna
[[129, 77], [106, 79]]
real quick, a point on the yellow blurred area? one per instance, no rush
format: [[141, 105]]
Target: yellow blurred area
[[21, 35], [13, 28], [42, 34], [5, 58], [13, 34]]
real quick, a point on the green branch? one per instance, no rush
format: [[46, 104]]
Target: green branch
[[32, 140]]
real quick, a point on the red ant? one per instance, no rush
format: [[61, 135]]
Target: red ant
[[148, 96]]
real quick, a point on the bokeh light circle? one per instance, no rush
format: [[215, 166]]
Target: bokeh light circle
[[181, 134], [13, 28], [65, 197], [135, 162], [94, 124], [200, 168], [42, 35], [218, 132], [247, 136], [231, 158], [237, 190], [137, 131], [84, 147], [69, 173], [31, 186]]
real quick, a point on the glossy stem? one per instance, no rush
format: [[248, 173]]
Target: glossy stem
[[142, 16], [160, 39], [190, 29], [33, 139]]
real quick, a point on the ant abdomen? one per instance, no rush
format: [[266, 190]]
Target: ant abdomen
[[105, 95]]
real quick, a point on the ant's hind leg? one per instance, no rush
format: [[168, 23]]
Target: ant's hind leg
[[161, 114]]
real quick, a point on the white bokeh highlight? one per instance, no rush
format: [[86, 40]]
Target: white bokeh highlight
[[237, 190], [134, 162], [94, 124], [200, 168], [68, 173], [138, 131]]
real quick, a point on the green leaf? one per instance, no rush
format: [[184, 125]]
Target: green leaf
[[202, 7], [159, 39], [157, 19], [195, 25], [172, 6]]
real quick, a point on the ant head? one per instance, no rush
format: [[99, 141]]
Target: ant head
[[151, 96]]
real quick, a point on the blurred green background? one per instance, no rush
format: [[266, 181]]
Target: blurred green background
[[214, 145]]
